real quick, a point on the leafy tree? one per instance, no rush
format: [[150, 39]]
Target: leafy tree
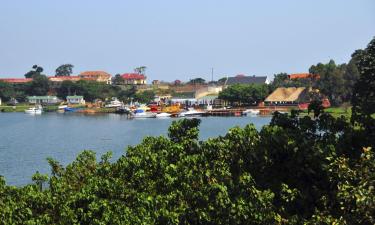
[[39, 86], [331, 82], [140, 70], [66, 88], [248, 94], [351, 75], [118, 79], [145, 96], [64, 70], [36, 70], [364, 90], [6, 91]]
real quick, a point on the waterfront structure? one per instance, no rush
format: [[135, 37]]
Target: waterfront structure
[[134, 78], [99, 76], [0, 101], [288, 96], [75, 99], [243, 79], [43, 99]]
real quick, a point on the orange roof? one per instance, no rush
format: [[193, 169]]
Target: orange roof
[[303, 76], [16, 80], [95, 73]]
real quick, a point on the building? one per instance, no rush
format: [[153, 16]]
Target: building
[[0, 101], [16, 80], [75, 99], [288, 96], [134, 78], [43, 100], [155, 82], [99, 76], [64, 78], [295, 76], [242, 79]]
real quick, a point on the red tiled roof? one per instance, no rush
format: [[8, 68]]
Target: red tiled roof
[[95, 73], [16, 80], [135, 76], [303, 76]]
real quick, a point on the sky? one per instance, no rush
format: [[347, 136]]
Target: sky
[[181, 39]]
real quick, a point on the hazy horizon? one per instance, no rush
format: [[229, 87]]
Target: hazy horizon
[[181, 40]]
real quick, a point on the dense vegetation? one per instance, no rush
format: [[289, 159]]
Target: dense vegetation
[[296, 170]]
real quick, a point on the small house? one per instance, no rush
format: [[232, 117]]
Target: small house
[[134, 78], [43, 100], [75, 99]]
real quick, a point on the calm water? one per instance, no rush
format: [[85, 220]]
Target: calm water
[[27, 140]]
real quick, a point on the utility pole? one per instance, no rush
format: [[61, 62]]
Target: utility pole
[[212, 74]]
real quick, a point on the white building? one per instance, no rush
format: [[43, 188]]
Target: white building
[[75, 99]]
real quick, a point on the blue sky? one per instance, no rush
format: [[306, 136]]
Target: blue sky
[[181, 39]]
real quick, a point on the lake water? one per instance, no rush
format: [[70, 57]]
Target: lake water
[[27, 140]]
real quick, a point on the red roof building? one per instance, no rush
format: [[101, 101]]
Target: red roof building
[[134, 78], [303, 76], [99, 76], [16, 80]]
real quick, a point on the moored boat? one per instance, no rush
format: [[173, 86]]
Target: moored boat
[[163, 115], [251, 112], [34, 110], [139, 113], [192, 112]]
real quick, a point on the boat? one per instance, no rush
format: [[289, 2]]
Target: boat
[[251, 112], [163, 115], [34, 110], [71, 109], [192, 112], [139, 113], [115, 103], [62, 107]]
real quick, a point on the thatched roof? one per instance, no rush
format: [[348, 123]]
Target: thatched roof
[[291, 94]]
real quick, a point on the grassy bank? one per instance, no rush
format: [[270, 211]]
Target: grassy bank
[[23, 107]]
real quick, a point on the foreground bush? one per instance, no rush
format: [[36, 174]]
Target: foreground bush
[[295, 170]]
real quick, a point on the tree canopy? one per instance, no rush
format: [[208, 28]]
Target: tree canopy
[[64, 70], [248, 94], [36, 70]]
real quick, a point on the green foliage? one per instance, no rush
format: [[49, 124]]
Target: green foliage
[[39, 86], [364, 95], [144, 96], [118, 79], [36, 70], [6, 91], [248, 94], [64, 70]]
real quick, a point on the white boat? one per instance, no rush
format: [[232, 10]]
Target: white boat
[[139, 113], [62, 107], [191, 112], [115, 103], [251, 112], [163, 115], [34, 110]]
